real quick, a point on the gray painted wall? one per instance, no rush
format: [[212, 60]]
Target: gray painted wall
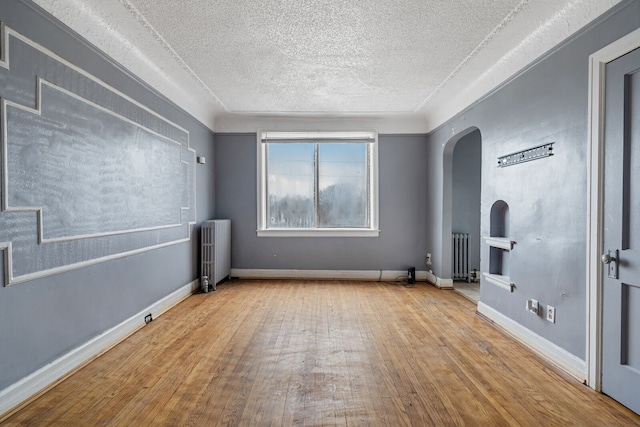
[[46, 318], [403, 205], [43, 319], [466, 189], [547, 198]]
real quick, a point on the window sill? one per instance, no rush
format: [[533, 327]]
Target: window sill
[[323, 232]]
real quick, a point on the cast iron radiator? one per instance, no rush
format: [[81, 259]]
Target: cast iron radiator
[[460, 245], [215, 252]]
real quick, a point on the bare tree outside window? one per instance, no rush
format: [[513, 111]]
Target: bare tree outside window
[[343, 185], [317, 185]]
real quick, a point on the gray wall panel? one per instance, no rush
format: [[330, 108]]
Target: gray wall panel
[[403, 206], [44, 319], [547, 197]]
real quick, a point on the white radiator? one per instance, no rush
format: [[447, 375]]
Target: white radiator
[[215, 252], [460, 245]]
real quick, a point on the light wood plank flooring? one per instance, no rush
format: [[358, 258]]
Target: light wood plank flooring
[[287, 353]]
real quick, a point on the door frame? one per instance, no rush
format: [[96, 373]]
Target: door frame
[[595, 165]]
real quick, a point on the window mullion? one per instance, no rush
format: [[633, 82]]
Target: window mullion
[[316, 187], [370, 185], [265, 165]]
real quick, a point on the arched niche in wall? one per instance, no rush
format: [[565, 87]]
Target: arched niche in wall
[[499, 220], [500, 244]]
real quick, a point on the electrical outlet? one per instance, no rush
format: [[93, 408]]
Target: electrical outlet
[[551, 314], [428, 259]]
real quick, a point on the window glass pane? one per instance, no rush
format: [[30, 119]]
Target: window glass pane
[[290, 185], [342, 185]]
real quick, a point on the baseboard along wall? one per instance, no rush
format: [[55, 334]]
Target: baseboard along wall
[[373, 275], [24, 391], [558, 356]]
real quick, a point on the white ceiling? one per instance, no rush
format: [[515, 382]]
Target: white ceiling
[[240, 63]]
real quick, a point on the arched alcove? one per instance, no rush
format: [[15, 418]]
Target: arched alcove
[[447, 195]]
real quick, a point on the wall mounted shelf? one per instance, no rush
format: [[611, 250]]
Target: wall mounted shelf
[[500, 242], [500, 281]]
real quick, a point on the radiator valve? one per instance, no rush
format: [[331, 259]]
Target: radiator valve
[[205, 284]]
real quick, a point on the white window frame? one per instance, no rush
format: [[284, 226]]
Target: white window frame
[[264, 137]]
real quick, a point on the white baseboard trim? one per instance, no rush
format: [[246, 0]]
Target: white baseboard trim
[[21, 392], [438, 281], [372, 275], [560, 357]]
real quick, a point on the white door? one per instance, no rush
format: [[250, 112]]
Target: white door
[[621, 272]]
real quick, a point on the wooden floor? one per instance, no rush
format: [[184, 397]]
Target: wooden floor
[[283, 353]]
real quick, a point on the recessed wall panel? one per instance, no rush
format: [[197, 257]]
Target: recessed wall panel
[[88, 174]]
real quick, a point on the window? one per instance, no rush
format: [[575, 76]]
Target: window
[[317, 184]]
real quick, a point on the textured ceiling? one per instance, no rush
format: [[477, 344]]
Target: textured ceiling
[[325, 57]]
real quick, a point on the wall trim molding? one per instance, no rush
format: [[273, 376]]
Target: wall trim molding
[[33, 385], [558, 30], [558, 356], [187, 214], [371, 275], [171, 82]]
